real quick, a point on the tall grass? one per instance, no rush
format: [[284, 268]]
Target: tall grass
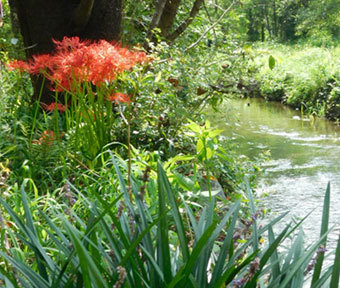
[[118, 243]]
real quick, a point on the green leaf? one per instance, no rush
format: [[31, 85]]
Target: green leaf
[[233, 270], [209, 153], [158, 77], [271, 62], [90, 272], [199, 146], [194, 127], [31, 276], [183, 274], [253, 212], [266, 256], [302, 261], [275, 257], [134, 244], [214, 133], [185, 182], [218, 270], [175, 212], [324, 229], [336, 267], [163, 248]]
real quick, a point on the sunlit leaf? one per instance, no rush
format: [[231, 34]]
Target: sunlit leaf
[[271, 62]]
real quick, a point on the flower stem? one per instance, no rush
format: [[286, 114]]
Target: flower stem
[[129, 156], [128, 124]]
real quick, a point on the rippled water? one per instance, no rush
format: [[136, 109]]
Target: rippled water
[[305, 155]]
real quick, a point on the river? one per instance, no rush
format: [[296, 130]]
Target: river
[[305, 155]]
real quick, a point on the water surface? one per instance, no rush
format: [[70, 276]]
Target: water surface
[[305, 155]]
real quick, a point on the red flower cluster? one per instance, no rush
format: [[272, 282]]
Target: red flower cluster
[[53, 106], [75, 61], [47, 138], [119, 98]]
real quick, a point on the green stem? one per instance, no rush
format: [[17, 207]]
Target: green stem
[[209, 183], [35, 115], [128, 124], [129, 156], [207, 168]]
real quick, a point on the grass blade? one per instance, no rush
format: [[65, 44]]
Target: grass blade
[[185, 272], [253, 212], [163, 248], [275, 257], [37, 280], [336, 267], [90, 272], [225, 248], [175, 213], [324, 229], [302, 261]]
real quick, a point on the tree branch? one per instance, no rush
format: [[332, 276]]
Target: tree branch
[[195, 8], [211, 27], [156, 17], [82, 14], [210, 20]]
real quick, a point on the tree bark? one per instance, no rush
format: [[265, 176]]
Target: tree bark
[[82, 14], [44, 20]]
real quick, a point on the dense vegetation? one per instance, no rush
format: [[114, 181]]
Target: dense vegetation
[[122, 182]]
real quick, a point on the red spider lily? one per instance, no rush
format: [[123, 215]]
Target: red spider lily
[[47, 138], [53, 106], [119, 98], [22, 66], [75, 61]]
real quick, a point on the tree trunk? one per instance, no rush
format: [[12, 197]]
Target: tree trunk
[[275, 29], [14, 17], [263, 38], [44, 20], [269, 29], [164, 19], [168, 17]]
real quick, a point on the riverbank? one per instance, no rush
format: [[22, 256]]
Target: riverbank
[[303, 77]]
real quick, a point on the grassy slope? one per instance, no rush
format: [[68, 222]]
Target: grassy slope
[[303, 76]]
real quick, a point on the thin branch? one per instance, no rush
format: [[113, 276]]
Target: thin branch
[[211, 27], [210, 20], [82, 14]]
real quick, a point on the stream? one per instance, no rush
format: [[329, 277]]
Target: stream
[[305, 155]]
